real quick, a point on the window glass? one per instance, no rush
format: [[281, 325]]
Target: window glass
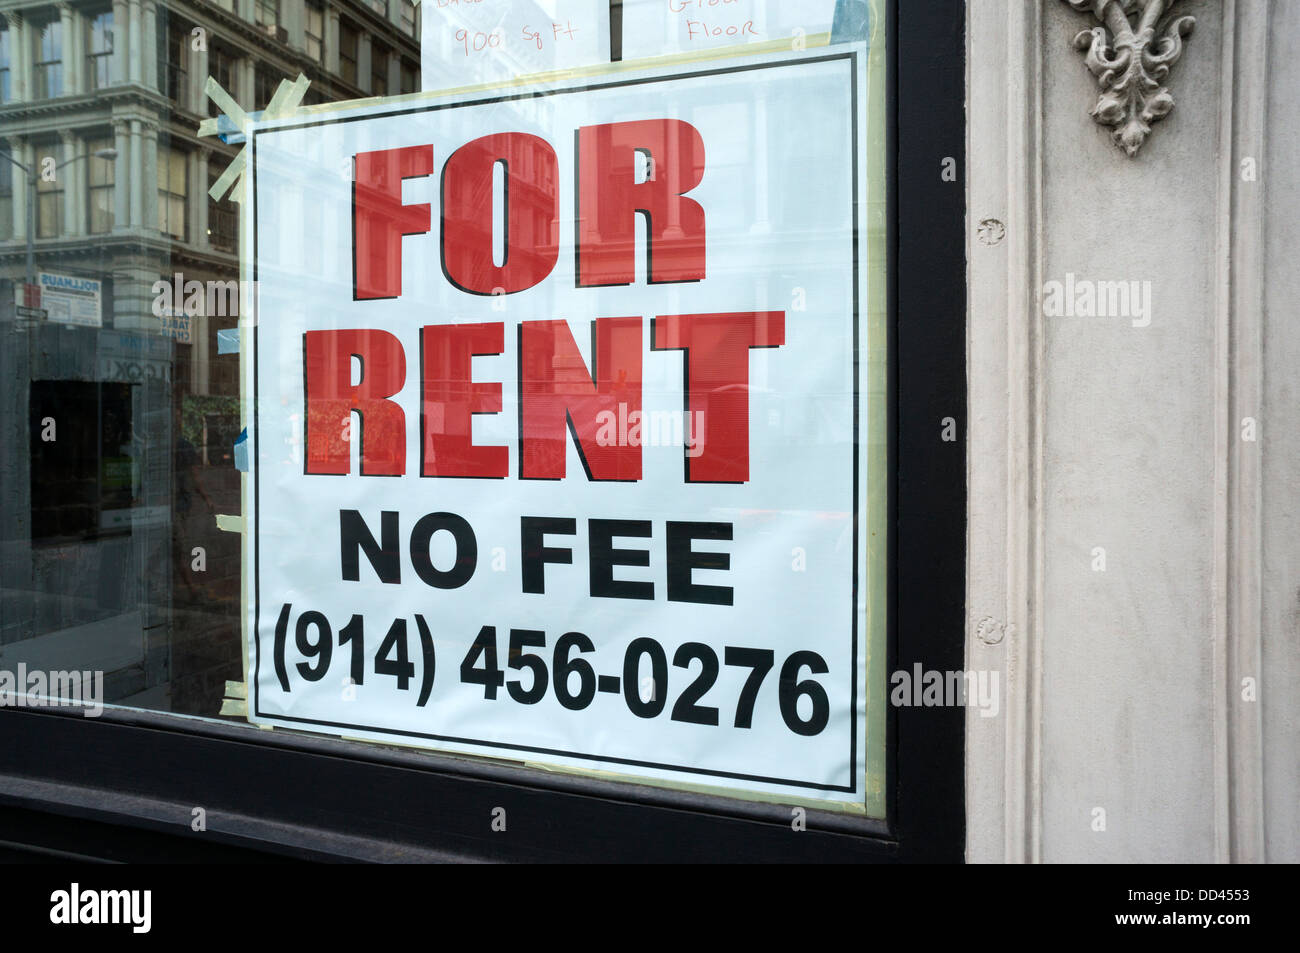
[[266, 14], [99, 46], [172, 192], [607, 440], [4, 65], [178, 59], [49, 61], [49, 192], [100, 172], [314, 31], [349, 43]]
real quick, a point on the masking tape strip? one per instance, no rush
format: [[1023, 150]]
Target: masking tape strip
[[236, 690], [227, 178], [234, 706], [226, 103], [230, 524], [288, 96]]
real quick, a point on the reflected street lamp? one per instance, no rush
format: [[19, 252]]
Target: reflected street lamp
[[109, 153]]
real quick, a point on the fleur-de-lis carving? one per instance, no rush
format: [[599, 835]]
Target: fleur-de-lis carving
[[1130, 59]]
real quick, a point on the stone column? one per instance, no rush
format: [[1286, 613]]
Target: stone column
[[199, 190], [149, 143], [121, 172], [18, 57], [394, 73], [14, 146], [67, 179], [197, 197], [363, 63], [137, 171], [149, 51], [247, 84], [134, 44], [68, 23], [117, 69], [198, 77], [331, 40]]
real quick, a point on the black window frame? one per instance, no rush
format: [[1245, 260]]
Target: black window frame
[[318, 797]]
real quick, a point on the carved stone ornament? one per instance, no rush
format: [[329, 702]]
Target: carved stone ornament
[[1130, 60]]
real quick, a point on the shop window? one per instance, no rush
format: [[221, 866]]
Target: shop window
[[83, 470]]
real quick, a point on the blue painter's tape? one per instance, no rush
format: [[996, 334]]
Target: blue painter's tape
[[241, 451], [228, 341]]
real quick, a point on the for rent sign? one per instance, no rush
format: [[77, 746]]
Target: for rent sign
[[559, 447]]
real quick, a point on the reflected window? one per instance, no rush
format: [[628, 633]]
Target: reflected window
[[410, 78], [4, 65], [178, 65], [314, 31], [49, 61], [100, 178], [348, 44], [223, 217], [408, 17], [221, 67], [99, 47], [171, 192], [266, 14], [49, 198], [265, 84], [82, 467]]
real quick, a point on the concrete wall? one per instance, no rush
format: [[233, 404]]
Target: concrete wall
[[1133, 559]]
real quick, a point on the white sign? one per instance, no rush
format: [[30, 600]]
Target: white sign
[[467, 42], [558, 448], [176, 324], [71, 300], [661, 27]]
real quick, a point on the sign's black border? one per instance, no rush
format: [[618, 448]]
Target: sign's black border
[[123, 786], [852, 57]]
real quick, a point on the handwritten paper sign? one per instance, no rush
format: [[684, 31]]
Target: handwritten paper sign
[[466, 42], [661, 27]]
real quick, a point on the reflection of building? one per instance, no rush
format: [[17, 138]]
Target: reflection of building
[[105, 523]]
